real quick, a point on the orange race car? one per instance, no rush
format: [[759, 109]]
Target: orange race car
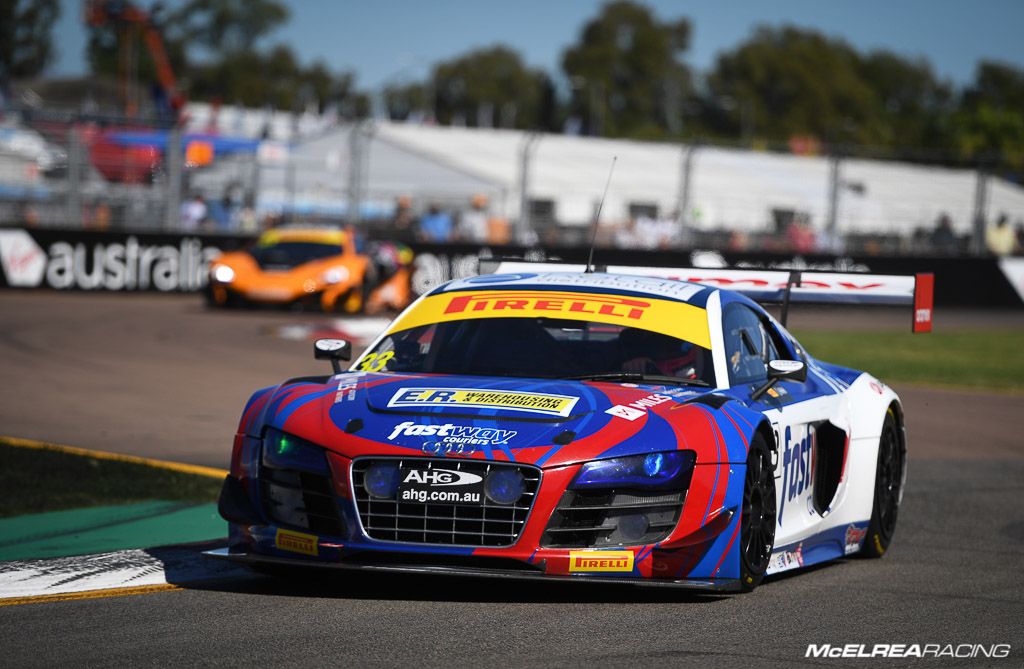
[[313, 267]]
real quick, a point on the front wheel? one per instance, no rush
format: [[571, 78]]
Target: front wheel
[[757, 524], [889, 472]]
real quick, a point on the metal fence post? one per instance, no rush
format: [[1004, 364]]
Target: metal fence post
[[355, 169], [73, 198], [523, 223], [683, 201], [174, 160], [980, 209], [833, 196]]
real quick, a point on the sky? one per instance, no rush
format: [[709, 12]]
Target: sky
[[393, 41]]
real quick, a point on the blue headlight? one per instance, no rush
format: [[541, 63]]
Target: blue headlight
[[381, 480], [504, 486], [669, 470], [286, 451]]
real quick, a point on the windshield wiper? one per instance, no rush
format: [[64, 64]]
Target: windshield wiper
[[633, 377]]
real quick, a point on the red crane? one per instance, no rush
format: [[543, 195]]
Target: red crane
[[128, 18]]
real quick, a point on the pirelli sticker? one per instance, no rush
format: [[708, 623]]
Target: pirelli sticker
[[670, 317], [600, 561], [296, 542], [481, 398]]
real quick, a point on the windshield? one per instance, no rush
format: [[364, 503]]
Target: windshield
[[286, 255], [539, 348]]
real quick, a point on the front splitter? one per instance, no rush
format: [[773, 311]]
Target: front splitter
[[244, 557]]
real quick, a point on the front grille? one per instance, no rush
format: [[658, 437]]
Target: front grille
[[586, 519], [300, 499], [445, 523]]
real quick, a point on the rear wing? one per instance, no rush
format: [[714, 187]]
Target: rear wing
[[783, 287]]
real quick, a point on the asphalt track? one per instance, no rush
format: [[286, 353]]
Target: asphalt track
[[160, 377]]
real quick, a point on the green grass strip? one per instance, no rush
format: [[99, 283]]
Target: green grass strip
[[36, 480], [973, 359]]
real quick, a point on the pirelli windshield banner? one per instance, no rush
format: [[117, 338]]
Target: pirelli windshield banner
[[669, 317], [109, 261]]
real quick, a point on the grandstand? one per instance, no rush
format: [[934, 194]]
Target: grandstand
[[728, 189]]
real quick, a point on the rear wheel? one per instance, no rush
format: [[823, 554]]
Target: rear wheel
[[757, 524], [888, 489]]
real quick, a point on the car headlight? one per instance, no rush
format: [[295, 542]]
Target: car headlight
[[335, 275], [668, 470], [223, 274], [285, 451], [381, 479]]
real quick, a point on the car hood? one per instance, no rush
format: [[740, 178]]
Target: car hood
[[543, 422]]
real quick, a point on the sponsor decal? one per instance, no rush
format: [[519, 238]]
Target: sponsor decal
[[600, 561], [296, 542], [481, 398], [24, 262], [788, 559], [670, 317], [422, 485], [454, 434], [854, 536], [347, 387], [637, 409], [440, 477], [113, 266], [798, 465], [1013, 270]]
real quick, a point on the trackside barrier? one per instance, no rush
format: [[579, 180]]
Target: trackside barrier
[[124, 261]]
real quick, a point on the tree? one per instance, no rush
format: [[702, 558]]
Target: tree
[[274, 78], [912, 102], [785, 82], [488, 87], [626, 74], [227, 26], [234, 70], [988, 125], [26, 44]]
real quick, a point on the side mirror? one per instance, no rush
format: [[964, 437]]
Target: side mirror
[[334, 350], [791, 370]]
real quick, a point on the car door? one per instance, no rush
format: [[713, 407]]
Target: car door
[[796, 410]]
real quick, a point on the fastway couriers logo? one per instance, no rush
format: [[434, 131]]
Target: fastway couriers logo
[[481, 398], [637, 409], [548, 301], [598, 561], [453, 434]]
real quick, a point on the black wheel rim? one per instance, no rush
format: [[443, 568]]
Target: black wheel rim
[[888, 480], [758, 521]]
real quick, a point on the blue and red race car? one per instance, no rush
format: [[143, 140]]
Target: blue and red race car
[[571, 425]]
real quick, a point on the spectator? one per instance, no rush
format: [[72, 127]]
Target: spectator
[[403, 220], [943, 239], [1000, 238], [626, 235], [436, 226], [193, 213], [473, 222]]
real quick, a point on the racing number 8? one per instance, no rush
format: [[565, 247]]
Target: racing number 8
[[375, 362]]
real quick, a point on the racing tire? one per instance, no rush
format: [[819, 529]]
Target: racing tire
[[889, 477], [757, 520]]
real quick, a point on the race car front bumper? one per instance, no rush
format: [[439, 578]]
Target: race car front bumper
[[426, 566]]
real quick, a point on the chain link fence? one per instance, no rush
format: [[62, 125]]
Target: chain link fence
[[76, 171]]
